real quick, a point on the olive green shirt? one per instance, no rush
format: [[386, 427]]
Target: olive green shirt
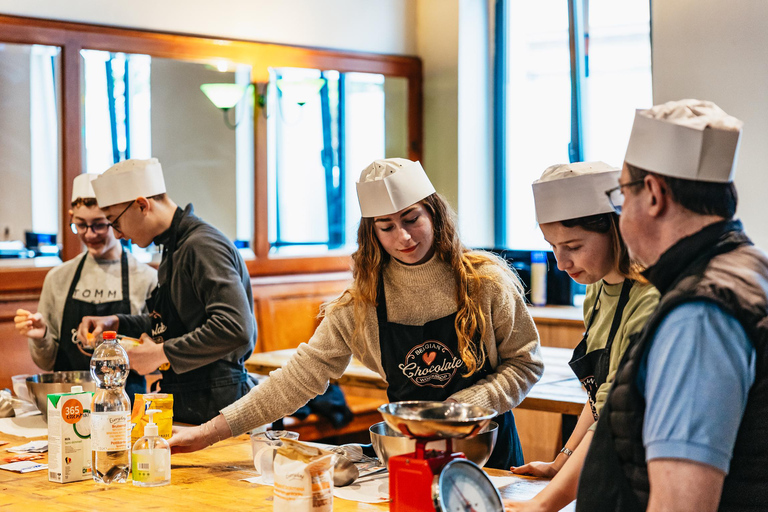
[[642, 301]]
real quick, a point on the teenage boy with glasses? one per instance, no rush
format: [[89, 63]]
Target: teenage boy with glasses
[[105, 280], [200, 317]]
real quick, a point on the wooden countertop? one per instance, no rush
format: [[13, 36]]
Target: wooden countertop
[[208, 478], [558, 390]]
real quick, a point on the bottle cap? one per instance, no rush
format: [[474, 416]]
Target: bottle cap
[[108, 335], [151, 429], [76, 389]]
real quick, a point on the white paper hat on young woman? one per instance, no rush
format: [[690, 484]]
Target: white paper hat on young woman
[[390, 185], [688, 139], [129, 179], [82, 188], [570, 191]]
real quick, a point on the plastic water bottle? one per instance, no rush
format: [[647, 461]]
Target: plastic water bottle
[[110, 413], [538, 278]]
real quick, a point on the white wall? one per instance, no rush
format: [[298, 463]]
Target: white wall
[[453, 43], [380, 26], [718, 51]]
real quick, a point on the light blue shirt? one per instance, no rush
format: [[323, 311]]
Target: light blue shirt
[[696, 379]]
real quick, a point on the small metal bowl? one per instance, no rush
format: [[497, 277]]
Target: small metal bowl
[[43, 384], [436, 420], [388, 443]]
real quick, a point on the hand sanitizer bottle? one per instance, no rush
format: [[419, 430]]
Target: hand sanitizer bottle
[[151, 458]]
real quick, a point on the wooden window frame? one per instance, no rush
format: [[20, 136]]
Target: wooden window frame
[[73, 37]]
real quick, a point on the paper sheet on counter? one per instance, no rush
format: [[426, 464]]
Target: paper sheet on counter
[[25, 426], [370, 490]]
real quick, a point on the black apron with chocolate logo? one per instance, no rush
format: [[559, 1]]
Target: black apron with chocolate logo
[[592, 368], [199, 394], [423, 363], [70, 355]]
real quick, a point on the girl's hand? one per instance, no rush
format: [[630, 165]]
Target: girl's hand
[[188, 439], [540, 469]]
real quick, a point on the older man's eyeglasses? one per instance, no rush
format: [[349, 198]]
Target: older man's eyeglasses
[[616, 196], [114, 223]]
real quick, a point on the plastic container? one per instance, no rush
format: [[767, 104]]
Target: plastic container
[[151, 457], [264, 446], [539, 278]]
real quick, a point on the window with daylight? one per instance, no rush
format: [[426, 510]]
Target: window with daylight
[[569, 76], [324, 128]]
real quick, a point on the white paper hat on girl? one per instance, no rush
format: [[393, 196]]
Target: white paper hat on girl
[[81, 187], [570, 191], [129, 179], [390, 185], [688, 139]]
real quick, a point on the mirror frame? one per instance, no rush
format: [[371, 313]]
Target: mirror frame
[[73, 37]]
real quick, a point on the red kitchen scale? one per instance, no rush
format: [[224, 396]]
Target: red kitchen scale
[[438, 480]]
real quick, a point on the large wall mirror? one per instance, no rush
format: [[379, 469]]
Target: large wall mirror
[[139, 106], [275, 172], [30, 146]]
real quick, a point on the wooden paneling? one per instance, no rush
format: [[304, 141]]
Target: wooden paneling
[[286, 309], [15, 359], [540, 434]]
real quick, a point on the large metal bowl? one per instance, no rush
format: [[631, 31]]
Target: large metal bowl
[[43, 384], [435, 420], [388, 443]]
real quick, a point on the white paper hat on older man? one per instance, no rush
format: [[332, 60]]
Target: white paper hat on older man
[[688, 139], [129, 179], [82, 188], [570, 191], [390, 185]]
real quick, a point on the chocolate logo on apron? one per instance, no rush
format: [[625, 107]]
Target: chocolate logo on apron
[[430, 364]]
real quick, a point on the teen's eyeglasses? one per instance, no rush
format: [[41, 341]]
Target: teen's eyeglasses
[[114, 223], [81, 228], [616, 196]]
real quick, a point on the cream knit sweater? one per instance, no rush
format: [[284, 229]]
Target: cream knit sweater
[[414, 296]]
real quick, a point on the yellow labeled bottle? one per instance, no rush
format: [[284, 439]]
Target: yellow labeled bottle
[[151, 457]]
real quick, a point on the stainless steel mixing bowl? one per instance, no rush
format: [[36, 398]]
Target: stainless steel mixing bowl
[[388, 443], [43, 384], [432, 420]]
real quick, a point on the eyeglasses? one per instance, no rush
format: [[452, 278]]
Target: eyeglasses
[[81, 228], [114, 224], [616, 196]]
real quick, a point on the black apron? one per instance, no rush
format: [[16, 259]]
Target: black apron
[[592, 368], [423, 363], [70, 356], [199, 394]]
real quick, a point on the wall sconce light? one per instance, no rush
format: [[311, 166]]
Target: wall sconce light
[[300, 91], [225, 97]]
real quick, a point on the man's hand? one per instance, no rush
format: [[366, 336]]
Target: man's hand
[[91, 327], [148, 356], [29, 324]]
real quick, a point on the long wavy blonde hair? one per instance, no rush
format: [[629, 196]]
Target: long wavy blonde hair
[[370, 259]]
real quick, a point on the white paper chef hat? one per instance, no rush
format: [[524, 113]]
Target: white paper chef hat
[[129, 179], [689, 139], [81, 187], [390, 185], [570, 191]]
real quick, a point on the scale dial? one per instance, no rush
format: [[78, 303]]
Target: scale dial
[[463, 487]]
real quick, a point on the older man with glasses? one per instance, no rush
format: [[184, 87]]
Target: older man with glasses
[[105, 280], [684, 425]]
